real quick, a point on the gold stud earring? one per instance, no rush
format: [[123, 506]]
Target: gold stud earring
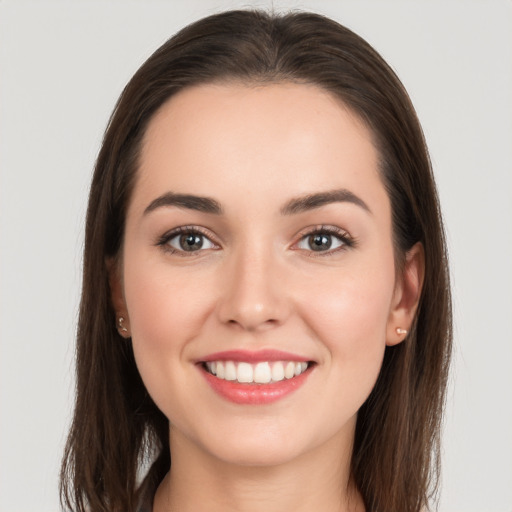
[[122, 328], [401, 331]]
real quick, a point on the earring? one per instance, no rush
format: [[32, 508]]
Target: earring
[[121, 327], [401, 331]]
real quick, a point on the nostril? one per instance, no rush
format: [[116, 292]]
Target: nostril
[[250, 326], [252, 308]]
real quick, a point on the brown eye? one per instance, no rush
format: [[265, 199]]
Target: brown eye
[[320, 242], [189, 241], [324, 241]]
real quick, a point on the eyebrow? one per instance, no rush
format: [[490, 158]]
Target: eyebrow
[[294, 206], [188, 201], [312, 201]]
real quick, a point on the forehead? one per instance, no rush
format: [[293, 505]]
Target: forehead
[[273, 140], [304, 109]]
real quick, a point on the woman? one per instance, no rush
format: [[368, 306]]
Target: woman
[[265, 295]]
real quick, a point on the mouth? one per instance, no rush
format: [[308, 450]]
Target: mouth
[[255, 378], [263, 372]]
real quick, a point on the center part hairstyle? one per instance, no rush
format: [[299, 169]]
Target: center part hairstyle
[[118, 437]]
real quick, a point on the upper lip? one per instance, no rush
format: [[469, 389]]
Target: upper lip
[[253, 356]]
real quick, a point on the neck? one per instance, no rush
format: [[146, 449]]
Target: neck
[[316, 480]]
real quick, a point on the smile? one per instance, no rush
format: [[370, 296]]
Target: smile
[[255, 378], [260, 373]]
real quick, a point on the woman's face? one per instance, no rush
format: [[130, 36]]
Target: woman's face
[[259, 237]]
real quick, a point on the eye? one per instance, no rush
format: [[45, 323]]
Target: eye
[[186, 240], [325, 240]]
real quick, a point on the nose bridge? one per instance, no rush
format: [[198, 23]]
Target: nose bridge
[[253, 296]]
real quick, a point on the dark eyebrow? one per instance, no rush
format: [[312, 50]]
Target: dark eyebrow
[[188, 201], [311, 201]]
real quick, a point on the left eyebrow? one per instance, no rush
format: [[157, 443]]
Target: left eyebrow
[[312, 201], [187, 201]]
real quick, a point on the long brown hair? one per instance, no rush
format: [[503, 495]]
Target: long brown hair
[[117, 430]]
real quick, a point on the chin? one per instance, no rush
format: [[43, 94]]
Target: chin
[[265, 445], [257, 455]]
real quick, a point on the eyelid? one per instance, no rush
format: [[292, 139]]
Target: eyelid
[[348, 240], [163, 240], [342, 234]]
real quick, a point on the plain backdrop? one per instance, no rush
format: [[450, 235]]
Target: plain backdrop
[[62, 67]]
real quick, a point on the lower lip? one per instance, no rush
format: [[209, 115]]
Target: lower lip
[[254, 394]]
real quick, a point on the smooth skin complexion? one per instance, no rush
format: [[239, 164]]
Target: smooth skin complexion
[[285, 245]]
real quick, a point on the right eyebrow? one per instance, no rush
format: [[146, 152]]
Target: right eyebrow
[[312, 201], [188, 201]]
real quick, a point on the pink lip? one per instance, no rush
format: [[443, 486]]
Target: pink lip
[[253, 394], [253, 356]]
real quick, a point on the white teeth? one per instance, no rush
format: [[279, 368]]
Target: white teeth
[[245, 373], [260, 373], [230, 370], [289, 370], [277, 371], [212, 367], [220, 370]]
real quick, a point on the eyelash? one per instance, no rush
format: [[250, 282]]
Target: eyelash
[[347, 240], [164, 240]]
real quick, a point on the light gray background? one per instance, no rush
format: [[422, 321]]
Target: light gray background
[[63, 65]]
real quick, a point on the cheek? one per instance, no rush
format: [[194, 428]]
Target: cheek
[[353, 307], [165, 314], [162, 304], [349, 315]]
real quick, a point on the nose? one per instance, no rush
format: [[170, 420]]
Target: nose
[[253, 296]]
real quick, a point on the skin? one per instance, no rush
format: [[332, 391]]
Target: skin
[[256, 284]]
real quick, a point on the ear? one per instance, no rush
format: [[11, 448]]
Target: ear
[[406, 296], [114, 268]]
